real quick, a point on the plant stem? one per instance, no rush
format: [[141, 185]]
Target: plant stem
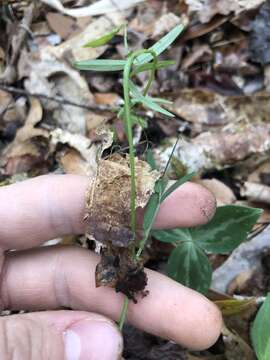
[[128, 123], [123, 314]]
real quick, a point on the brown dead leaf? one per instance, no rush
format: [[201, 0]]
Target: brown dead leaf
[[165, 24], [235, 347], [23, 152], [209, 108], [256, 192], [72, 163], [108, 221], [89, 151], [74, 48], [223, 194], [48, 75], [111, 99], [231, 145], [62, 25]]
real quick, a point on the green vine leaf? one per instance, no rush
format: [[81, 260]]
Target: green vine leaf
[[227, 230], [260, 332], [189, 266]]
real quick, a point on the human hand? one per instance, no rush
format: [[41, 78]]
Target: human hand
[[51, 206]]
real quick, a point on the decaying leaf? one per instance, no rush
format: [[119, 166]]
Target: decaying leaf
[[74, 47], [108, 221], [260, 36], [245, 257], [256, 192], [235, 346], [223, 194], [87, 151], [229, 146], [24, 152], [206, 9], [48, 75], [212, 109]]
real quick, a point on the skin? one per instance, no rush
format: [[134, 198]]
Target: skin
[[35, 278]]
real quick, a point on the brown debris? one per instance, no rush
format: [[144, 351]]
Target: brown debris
[[108, 221]]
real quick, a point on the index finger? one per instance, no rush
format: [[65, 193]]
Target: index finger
[[51, 206]]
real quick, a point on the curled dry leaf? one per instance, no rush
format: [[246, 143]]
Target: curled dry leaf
[[23, 152], [48, 75], [256, 192], [86, 152], [247, 256], [223, 194], [74, 47], [108, 221]]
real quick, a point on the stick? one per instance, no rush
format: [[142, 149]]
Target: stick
[[57, 99]]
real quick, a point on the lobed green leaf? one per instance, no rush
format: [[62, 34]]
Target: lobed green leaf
[[189, 266], [228, 229]]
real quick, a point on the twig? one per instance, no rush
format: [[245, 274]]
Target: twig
[[57, 99]]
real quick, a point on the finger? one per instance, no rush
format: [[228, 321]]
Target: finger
[[64, 276], [46, 207], [59, 335]]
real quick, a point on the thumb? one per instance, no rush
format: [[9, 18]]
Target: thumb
[[59, 335]]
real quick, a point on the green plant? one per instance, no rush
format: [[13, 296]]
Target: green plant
[[136, 62], [188, 263], [260, 331]]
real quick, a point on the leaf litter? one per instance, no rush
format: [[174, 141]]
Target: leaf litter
[[57, 119]]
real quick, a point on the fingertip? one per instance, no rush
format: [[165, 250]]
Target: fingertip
[[209, 325], [190, 205], [207, 203]]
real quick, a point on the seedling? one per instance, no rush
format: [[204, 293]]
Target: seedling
[[135, 63], [188, 263]]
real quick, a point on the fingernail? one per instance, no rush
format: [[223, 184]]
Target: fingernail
[[92, 339]]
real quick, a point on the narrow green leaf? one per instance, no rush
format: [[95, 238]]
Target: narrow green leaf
[[260, 332], [146, 67], [100, 65], [176, 185], [104, 39], [151, 211], [162, 101], [227, 230], [147, 101], [174, 236], [160, 46], [189, 265], [150, 159]]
